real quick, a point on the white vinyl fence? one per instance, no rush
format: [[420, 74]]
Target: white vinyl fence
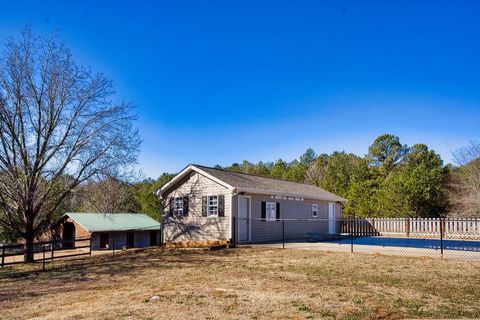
[[450, 228]]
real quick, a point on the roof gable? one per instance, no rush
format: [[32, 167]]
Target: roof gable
[[187, 170], [95, 222]]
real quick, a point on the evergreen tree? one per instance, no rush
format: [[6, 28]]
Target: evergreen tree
[[386, 152], [279, 169]]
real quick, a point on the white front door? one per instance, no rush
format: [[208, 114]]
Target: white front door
[[331, 218], [243, 219]]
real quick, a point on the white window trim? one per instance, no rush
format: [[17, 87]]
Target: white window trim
[[211, 206], [314, 210], [178, 209], [268, 207]]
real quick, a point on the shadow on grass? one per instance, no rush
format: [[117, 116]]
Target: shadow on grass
[[67, 274]]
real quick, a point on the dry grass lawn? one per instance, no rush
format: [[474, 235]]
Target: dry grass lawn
[[245, 283]]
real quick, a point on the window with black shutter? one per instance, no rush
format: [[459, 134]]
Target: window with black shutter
[[212, 206], [178, 206], [270, 211]]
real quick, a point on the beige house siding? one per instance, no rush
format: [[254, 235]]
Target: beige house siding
[[265, 231], [195, 227]]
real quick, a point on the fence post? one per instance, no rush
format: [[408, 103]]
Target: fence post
[[351, 242], [161, 232], [441, 237], [407, 226], [53, 248], [43, 261], [3, 255], [233, 240], [160, 235], [113, 247], [283, 233]]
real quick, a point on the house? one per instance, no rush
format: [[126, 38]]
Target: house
[[203, 203], [109, 230]]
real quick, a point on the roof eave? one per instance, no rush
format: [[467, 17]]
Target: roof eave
[[334, 198], [153, 228]]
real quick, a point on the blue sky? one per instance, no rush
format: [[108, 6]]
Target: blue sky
[[218, 82]]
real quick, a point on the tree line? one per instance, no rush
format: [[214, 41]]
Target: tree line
[[391, 180]]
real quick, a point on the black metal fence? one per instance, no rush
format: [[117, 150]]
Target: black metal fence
[[441, 237]]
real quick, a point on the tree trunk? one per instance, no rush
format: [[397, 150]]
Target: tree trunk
[[29, 240]]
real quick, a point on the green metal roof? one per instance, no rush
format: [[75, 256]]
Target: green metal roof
[[95, 222]]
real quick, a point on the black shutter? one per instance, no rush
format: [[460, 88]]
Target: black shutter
[[264, 211], [221, 205], [170, 206], [278, 211], [185, 206], [204, 206]]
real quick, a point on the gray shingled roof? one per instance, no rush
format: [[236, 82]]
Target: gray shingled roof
[[253, 182]]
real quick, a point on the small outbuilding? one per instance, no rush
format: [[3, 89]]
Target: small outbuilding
[[203, 204], [109, 230]]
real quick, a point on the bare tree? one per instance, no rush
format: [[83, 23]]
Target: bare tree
[[316, 170], [108, 196], [466, 180], [58, 129]]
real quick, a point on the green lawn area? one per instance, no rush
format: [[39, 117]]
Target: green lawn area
[[250, 283]]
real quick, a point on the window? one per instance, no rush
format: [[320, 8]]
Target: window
[[314, 210], [212, 206], [178, 207], [271, 208]]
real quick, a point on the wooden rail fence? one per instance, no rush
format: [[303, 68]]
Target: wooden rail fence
[[451, 228], [45, 250]]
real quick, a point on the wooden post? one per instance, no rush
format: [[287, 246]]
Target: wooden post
[[159, 237], [234, 233], [407, 226], [441, 237], [113, 247], [43, 261], [90, 249], [283, 234], [3, 255], [53, 248], [161, 234]]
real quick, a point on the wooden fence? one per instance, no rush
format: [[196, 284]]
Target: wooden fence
[[45, 250], [449, 228]]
